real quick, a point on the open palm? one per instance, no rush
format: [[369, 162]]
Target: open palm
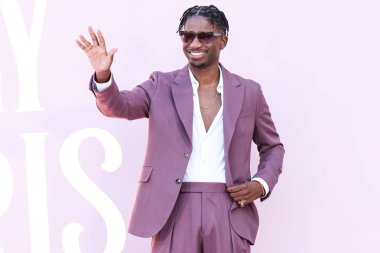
[[100, 59]]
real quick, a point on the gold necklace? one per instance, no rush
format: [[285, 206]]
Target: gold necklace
[[212, 104]]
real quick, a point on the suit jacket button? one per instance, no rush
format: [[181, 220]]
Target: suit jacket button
[[178, 181], [187, 154]]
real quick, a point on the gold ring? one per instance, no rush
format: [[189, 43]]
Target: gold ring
[[89, 47]]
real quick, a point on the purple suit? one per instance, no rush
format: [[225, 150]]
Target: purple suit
[[167, 100]]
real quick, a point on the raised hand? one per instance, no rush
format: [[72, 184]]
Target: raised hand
[[100, 59]]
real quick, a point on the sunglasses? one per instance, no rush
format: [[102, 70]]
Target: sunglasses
[[203, 37]]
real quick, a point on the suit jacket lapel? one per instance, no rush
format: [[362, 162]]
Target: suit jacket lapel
[[233, 94], [183, 99]]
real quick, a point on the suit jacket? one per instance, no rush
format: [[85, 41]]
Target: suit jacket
[[167, 100]]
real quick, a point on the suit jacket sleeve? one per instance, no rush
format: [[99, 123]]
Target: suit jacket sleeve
[[128, 104], [271, 150]]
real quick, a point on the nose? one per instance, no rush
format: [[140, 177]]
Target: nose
[[195, 43]]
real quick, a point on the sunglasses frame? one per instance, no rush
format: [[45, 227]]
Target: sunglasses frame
[[196, 35]]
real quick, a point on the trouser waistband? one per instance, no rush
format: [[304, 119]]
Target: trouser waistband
[[203, 187]]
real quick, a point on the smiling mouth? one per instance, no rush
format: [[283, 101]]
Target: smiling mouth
[[196, 53]]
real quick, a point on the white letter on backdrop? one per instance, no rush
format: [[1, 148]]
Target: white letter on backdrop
[[6, 186], [37, 193], [25, 49], [75, 175], [1, 104]]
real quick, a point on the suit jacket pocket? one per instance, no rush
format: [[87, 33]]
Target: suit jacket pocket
[[145, 174]]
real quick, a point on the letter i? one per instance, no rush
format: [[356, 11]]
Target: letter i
[[37, 193]]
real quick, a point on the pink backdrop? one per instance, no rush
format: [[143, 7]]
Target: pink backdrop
[[68, 175]]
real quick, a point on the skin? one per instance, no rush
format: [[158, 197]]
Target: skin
[[204, 68], [100, 59]]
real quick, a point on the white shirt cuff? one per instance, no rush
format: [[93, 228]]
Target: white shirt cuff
[[263, 183], [99, 87]]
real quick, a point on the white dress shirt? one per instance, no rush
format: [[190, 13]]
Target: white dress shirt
[[206, 162]]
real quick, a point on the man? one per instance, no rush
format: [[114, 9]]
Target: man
[[196, 191]]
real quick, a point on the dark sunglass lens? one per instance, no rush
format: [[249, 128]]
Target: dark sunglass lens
[[187, 36], [205, 37]]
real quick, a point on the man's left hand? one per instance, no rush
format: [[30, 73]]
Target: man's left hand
[[246, 193]]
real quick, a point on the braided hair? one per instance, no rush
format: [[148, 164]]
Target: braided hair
[[213, 14]]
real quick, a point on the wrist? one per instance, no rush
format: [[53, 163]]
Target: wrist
[[263, 192], [102, 76]]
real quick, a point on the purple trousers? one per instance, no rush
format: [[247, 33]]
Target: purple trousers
[[200, 223]]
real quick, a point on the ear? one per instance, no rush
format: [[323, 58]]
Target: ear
[[223, 42]]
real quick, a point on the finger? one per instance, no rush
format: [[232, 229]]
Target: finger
[[236, 188], [112, 52], [84, 41], [80, 44], [244, 198], [239, 193], [93, 36], [101, 40], [244, 202]]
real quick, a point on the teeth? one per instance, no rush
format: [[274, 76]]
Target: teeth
[[196, 53]]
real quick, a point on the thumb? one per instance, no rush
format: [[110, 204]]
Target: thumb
[[112, 52]]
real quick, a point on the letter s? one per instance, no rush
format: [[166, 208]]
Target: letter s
[[72, 170]]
